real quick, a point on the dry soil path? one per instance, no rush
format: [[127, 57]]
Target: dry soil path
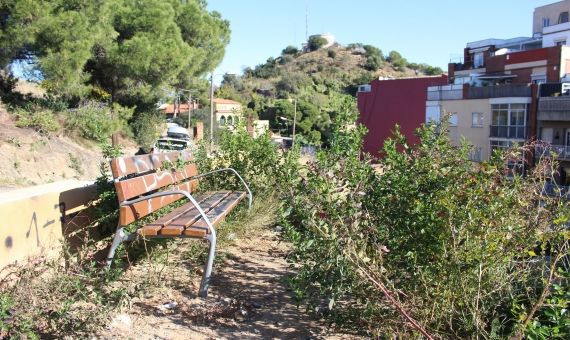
[[248, 299]]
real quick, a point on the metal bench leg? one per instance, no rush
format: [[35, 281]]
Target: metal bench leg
[[120, 236], [208, 267]]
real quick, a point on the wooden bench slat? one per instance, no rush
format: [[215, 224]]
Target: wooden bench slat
[[133, 212], [124, 166], [152, 229], [215, 215], [177, 226], [137, 186]]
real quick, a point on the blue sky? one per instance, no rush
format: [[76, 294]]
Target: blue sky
[[430, 31]]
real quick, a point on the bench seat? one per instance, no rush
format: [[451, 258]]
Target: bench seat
[[186, 220]]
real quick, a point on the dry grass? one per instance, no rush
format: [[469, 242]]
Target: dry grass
[[72, 296]]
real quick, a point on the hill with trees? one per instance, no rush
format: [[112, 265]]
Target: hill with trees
[[316, 80]]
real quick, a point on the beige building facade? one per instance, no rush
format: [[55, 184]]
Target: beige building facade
[[486, 124], [227, 112]]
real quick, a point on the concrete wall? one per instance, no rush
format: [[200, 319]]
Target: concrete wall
[[551, 11], [31, 223], [477, 136]]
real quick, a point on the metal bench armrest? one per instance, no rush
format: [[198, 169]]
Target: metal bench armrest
[[175, 192], [249, 197]]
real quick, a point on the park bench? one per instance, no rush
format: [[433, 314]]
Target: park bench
[[144, 185]]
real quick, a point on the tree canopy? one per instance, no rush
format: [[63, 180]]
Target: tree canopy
[[120, 50]]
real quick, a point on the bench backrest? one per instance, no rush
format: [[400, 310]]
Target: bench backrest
[[140, 175]]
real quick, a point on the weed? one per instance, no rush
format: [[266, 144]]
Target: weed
[[14, 141], [74, 164], [37, 145], [17, 164]]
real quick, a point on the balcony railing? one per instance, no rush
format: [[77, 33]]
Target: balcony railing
[[508, 131], [445, 92], [562, 151], [498, 91], [554, 108]]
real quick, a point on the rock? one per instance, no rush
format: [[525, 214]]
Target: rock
[[168, 306], [232, 236], [278, 229], [122, 320]]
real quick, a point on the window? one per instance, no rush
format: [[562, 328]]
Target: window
[[222, 120], [563, 17], [478, 60], [561, 43], [477, 119], [453, 119], [475, 154], [508, 121], [538, 79], [545, 22]]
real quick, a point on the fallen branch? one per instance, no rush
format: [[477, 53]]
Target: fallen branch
[[394, 302]]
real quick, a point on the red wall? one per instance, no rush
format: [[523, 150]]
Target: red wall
[[391, 102]]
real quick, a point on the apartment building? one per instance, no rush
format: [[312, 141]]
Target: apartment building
[[493, 97]]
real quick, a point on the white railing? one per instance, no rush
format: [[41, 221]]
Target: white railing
[[556, 28]]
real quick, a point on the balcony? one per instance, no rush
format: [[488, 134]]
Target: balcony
[[554, 108], [561, 151], [508, 131], [498, 91], [565, 26], [445, 92]]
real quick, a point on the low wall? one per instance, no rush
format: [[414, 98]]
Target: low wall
[[31, 218]]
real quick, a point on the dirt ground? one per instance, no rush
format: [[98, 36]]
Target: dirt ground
[[248, 299], [28, 158]]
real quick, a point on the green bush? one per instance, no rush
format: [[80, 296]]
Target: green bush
[[292, 50], [147, 127], [331, 54], [397, 60], [42, 120], [258, 160], [373, 63], [316, 42], [452, 245], [96, 121]]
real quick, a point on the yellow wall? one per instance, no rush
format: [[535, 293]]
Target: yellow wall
[[477, 136], [30, 218]]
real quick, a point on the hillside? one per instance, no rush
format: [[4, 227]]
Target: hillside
[[31, 157], [315, 80]]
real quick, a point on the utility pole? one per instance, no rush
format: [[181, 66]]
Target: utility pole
[[212, 111], [294, 123]]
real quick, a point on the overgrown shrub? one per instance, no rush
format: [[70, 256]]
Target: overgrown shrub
[[432, 245], [315, 42], [97, 121], [42, 120], [397, 60], [147, 127], [372, 63], [331, 54], [291, 50], [258, 160]]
